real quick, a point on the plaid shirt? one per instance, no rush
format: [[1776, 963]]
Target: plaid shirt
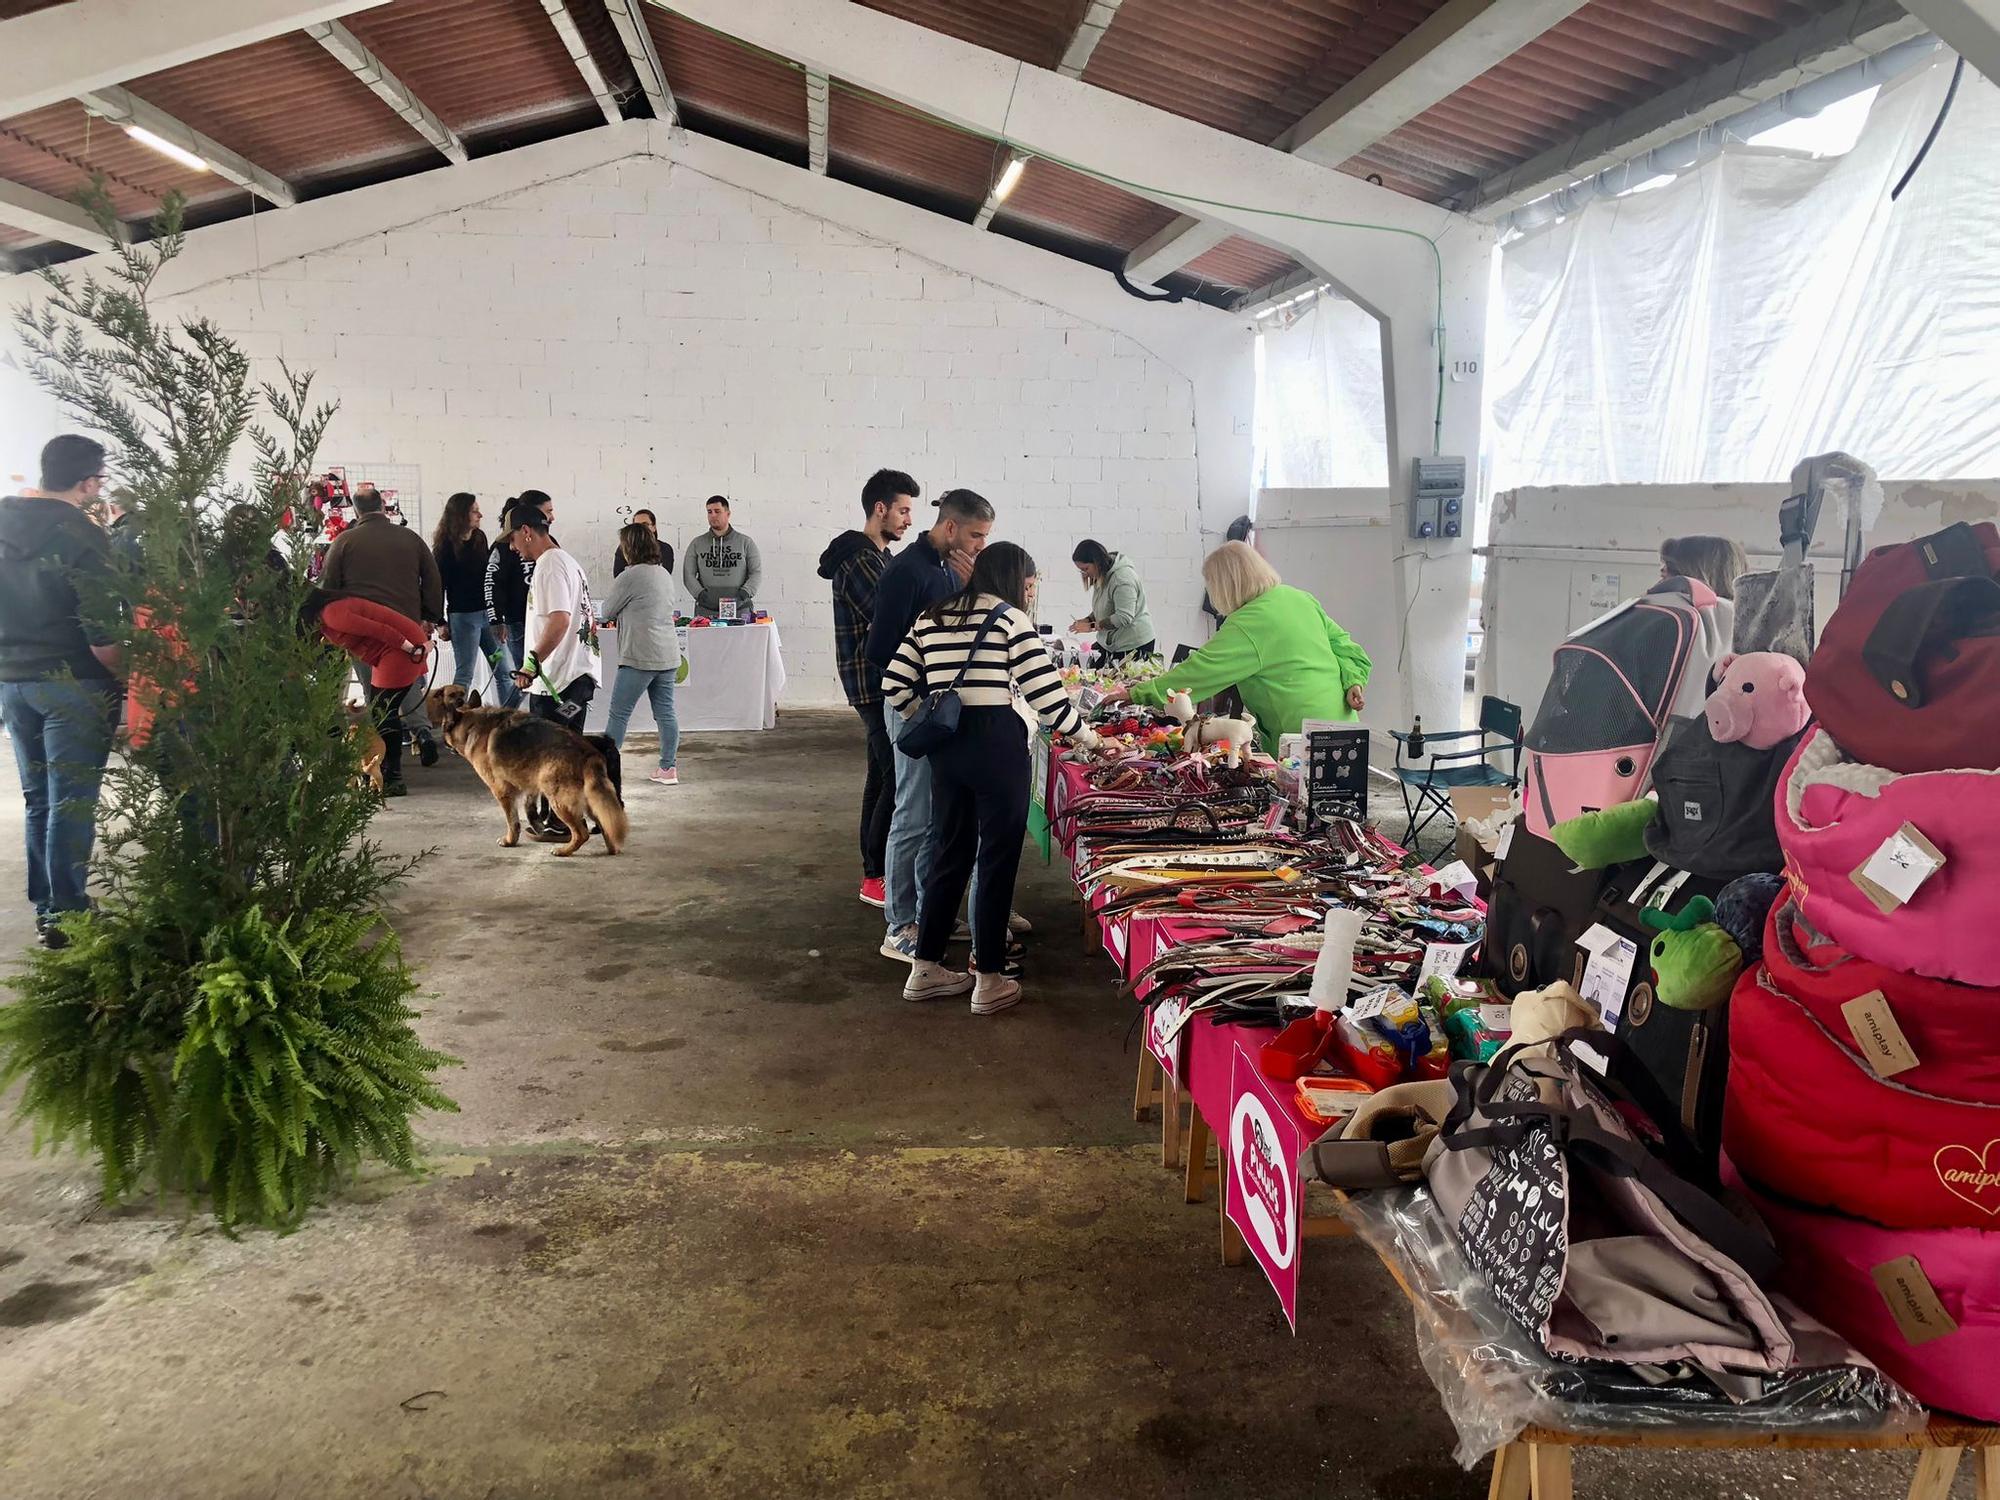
[[853, 612]]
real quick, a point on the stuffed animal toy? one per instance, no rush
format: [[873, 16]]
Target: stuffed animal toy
[[1695, 963], [1608, 837], [1542, 1015], [1759, 700], [1744, 907], [1199, 733]]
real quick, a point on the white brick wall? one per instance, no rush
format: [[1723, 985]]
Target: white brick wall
[[643, 335]]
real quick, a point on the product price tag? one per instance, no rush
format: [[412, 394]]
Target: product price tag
[[1882, 1043], [1913, 1301], [1506, 840], [1498, 1018], [1371, 1005], [1608, 973], [1894, 872], [1442, 961], [1455, 876]]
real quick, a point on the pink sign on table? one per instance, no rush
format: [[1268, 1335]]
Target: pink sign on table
[[1166, 1036], [1261, 1189]]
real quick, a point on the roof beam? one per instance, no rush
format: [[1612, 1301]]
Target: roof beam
[[817, 119], [579, 53], [1083, 41], [1971, 28], [386, 86], [22, 207], [122, 108], [65, 50], [1452, 47], [625, 15], [1089, 32], [1825, 44]]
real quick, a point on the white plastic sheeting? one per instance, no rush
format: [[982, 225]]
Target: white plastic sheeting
[[1766, 306], [1321, 417]]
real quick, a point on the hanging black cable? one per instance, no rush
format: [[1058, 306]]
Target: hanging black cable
[[1924, 150], [1141, 293]]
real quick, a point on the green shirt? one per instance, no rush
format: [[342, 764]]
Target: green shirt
[[1281, 652]]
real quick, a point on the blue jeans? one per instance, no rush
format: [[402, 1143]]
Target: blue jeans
[[626, 689], [906, 864], [472, 637], [62, 738]]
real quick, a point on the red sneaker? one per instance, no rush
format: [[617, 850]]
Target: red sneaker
[[872, 894]]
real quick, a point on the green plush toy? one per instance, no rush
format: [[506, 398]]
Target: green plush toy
[[1610, 837], [1695, 963]]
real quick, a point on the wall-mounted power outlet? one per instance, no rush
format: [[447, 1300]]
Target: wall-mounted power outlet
[[1437, 500]]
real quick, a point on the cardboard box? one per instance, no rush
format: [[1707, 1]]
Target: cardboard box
[[1467, 803]]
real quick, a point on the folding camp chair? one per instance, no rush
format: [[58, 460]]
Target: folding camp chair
[[1427, 781]]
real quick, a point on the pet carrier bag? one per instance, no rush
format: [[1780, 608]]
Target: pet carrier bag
[[1616, 683], [1539, 907], [1716, 815], [1907, 675], [1863, 1089], [1774, 610], [1584, 1236]]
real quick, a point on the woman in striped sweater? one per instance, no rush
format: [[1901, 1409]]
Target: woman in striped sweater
[[979, 796]]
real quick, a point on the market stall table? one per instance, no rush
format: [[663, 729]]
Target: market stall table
[[735, 674]]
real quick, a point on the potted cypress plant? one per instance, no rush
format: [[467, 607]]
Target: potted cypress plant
[[231, 1024]]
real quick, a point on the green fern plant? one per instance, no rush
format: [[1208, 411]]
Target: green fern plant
[[232, 1022]]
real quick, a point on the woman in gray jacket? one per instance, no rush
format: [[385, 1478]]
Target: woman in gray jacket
[[1117, 602], [641, 605]]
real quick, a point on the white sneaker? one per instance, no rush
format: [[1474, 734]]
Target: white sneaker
[[929, 981], [1019, 925], [994, 992], [901, 942]]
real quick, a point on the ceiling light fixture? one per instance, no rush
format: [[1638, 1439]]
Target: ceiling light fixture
[[1009, 178], [166, 147]]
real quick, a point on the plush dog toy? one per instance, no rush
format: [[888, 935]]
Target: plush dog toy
[[1545, 1014], [1695, 963], [1199, 732], [1759, 700]]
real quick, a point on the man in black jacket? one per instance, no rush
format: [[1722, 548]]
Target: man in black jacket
[[853, 564], [931, 569], [58, 676]]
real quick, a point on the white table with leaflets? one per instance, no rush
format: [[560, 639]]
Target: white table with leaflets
[[735, 674]]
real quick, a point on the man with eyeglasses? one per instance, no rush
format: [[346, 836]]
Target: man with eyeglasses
[[59, 687]]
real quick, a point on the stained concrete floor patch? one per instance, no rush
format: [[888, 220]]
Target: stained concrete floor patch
[[719, 1217]]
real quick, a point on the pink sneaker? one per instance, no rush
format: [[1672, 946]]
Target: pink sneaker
[[664, 775]]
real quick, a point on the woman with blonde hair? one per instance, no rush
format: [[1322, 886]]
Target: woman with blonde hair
[[1714, 560], [1276, 647]]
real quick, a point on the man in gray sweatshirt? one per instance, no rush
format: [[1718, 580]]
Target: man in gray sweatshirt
[[722, 564]]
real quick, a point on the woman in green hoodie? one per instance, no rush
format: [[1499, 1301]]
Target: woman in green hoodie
[[1117, 602], [1276, 647]]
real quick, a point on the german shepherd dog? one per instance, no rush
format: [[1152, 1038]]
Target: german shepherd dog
[[519, 756]]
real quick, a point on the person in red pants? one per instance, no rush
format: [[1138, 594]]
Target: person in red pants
[[395, 649]]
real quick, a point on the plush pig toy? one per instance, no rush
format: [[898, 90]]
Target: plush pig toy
[[1760, 700]]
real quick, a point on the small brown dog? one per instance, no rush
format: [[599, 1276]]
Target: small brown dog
[[368, 745], [519, 756]]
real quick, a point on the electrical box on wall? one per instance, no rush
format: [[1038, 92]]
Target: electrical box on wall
[[1437, 500]]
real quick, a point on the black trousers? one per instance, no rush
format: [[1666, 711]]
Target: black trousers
[[979, 815], [878, 793], [385, 708]]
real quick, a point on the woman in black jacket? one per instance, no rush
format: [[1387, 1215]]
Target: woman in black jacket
[[507, 599], [645, 518], [462, 551]]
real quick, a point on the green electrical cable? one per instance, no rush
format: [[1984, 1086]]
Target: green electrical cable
[[1144, 190]]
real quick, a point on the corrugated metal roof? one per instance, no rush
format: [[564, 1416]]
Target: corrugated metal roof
[[1242, 264], [1059, 199], [719, 78], [1035, 31], [1250, 67], [1607, 58], [868, 131], [288, 106], [480, 65], [55, 150]]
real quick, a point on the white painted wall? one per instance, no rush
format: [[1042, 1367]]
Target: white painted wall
[[1557, 557], [632, 317]]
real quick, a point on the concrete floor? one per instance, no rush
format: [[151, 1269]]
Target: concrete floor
[[721, 1215]]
